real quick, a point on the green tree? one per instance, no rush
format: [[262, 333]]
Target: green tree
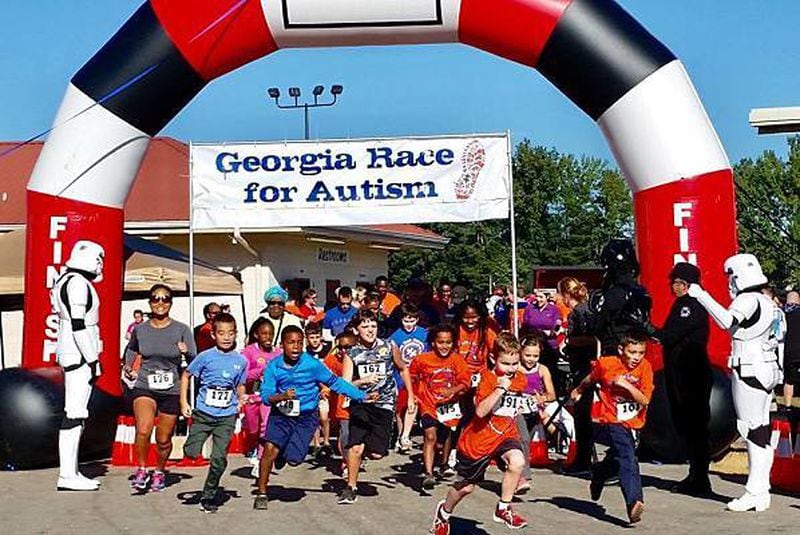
[[768, 212], [566, 209]]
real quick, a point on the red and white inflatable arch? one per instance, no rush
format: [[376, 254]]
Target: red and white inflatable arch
[[592, 50]]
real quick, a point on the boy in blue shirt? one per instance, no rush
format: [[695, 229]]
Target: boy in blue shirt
[[222, 373], [411, 340], [291, 384]]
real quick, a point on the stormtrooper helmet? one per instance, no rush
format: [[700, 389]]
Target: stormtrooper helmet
[[744, 272], [87, 256]]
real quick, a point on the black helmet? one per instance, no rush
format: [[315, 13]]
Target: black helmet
[[619, 256]]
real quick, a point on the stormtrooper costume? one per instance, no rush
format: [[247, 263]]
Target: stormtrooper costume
[[756, 328], [76, 303]]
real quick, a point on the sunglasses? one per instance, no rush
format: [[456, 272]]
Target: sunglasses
[[161, 299], [275, 303]]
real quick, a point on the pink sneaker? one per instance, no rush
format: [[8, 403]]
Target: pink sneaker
[[159, 482], [140, 479]]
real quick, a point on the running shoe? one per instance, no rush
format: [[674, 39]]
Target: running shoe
[[208, 506], [405, 445], [446, 472], [159, 482], [440, 525], [523, 486], [347, 496], [508, 517], [429, 482], [140, 479], [261, 502]]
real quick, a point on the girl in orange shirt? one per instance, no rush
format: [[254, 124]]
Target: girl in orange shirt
[[440, 378]]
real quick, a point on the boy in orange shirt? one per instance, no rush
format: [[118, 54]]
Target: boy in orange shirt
[[626, 385], [491, 435], [440, 377], [338, 404]]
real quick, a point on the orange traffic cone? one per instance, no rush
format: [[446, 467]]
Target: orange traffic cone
[[538, 453], [122, 453], [781, 474], [572, 453], [238, 442]]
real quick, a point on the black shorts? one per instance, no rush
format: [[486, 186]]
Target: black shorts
[[442, 431], [165, 403], [473, 470], [371, 426]]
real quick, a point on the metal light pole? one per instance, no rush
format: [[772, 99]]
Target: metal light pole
[[294, 92]]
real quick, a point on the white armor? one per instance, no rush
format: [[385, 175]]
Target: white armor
[[757, 331], [77, 305]]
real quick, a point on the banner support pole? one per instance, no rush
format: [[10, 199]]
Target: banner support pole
[[191, 260], [512, 225]]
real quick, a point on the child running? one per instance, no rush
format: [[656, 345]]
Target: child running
[[372, 362], [491, 435], [411, 340], [626, 384], [440, 377], [540, 407], [319, 349], [259, 352], [291, 385], [222, 373], [339, 405]]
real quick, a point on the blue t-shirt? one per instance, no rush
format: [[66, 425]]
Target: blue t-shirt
[[410, 345], [219, 374], [305, 377], [336, 320]]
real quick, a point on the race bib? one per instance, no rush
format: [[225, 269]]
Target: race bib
[[289, 407], [475, 380], [219, 398], [448, 412], [627, 410], [529, 405], [376, 368], [510, 405], [160, 380]]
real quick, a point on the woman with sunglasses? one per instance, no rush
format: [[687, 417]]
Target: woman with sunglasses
[[276, 312], [164, 345]]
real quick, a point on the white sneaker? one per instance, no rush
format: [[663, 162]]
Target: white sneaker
[[77, 483], [759, 502]]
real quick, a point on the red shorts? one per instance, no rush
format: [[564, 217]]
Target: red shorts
[[402, 401]]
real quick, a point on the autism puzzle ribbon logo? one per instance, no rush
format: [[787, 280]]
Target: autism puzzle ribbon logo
[[472, 161]]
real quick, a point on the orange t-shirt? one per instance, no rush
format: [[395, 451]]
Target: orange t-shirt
[[482, 436], [615, 404], [335, 401], [432, 375], [470, 350], [389, 303]]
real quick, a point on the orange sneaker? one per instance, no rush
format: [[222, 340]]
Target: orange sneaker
[[440, 525]]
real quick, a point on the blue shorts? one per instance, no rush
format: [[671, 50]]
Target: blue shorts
[[292, 434]]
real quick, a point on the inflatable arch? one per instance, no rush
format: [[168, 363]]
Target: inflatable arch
[[592, 50]]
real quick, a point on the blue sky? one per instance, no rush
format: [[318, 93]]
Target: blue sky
[[740, 53]]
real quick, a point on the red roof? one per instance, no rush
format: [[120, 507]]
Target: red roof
[[163, 177]]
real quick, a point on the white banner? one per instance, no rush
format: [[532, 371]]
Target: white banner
[[340, 183]]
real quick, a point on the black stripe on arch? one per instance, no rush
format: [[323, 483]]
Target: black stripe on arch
[[139, 75], [598, 52]]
